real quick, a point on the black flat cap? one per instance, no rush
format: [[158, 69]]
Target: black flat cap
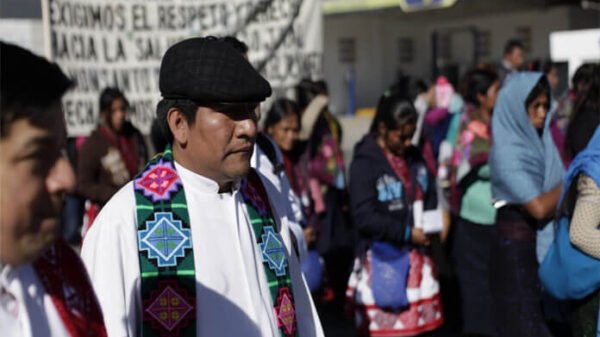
[[209, 70]]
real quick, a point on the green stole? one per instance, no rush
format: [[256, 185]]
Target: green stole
[[166, 256]]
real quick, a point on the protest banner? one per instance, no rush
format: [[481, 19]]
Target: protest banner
[[120, 43]]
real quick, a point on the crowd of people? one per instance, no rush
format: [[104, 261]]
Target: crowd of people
[[480, 198]]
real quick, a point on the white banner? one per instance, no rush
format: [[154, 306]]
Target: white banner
[[120, 43]]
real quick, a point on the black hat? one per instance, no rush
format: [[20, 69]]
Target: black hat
[[209, 70]]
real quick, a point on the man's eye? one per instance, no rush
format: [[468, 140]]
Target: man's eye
[[45, 160]]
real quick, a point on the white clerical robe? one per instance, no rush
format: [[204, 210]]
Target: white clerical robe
[[26, 310], [231, 291], [282, 196]]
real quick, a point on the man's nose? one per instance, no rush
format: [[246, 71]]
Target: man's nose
[[61, 178], [247, 128]]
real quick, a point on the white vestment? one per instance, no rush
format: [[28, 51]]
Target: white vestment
[[281, 194], [26, 310], [231, 291]]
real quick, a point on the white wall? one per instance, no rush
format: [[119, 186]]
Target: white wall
[[27, 33], [367, 68], [377, 51]]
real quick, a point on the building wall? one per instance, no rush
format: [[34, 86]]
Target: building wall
[[366, 32], [21, 9], [376, 37], [27, 33]]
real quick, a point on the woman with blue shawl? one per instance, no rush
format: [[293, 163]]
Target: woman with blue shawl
[[526, 173]]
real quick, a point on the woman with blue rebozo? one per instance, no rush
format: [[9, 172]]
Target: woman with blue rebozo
[[526, 173]]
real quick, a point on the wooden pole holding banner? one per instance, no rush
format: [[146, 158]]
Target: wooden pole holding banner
[[46, 25]]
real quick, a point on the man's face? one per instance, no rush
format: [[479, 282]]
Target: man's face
[[221, 140], [34, 176], [515, 58]]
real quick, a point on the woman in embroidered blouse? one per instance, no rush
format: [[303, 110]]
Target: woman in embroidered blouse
[[390, 187], [583, 198], [471, 195], [527, 173], [322, 158]]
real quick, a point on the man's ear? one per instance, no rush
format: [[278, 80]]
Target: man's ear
[[178, 125]]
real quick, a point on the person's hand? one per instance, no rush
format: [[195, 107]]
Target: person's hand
[[430, 97], [446, 229], [418, 237]]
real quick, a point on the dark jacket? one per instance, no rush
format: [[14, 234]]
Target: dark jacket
[[100, 169], [380, 204]]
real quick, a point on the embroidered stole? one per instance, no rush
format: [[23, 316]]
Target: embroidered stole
[[168, 282], [273, 253]]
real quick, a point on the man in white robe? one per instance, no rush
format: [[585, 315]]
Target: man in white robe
[[44, 289], [212, 144]]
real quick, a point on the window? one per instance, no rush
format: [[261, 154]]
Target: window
[[406, 49], [347, 50], [524, 35], [484, 43]]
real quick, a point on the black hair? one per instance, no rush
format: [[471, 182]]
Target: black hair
[[583, 75], [542, 87], [511, 45], [186, 106], [580, 130], [393, 110], [403, 86], [321, 87], [281, 108], [589, 97], [420, 86], [306, 90], [108, 96], [29, 85], [408, 87], [157, 136], [585, 117], [544, 66], [236, 44], [477, 82]]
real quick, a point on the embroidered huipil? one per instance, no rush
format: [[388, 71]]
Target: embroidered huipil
[[471, 191], [232, 294], [383, 191]]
